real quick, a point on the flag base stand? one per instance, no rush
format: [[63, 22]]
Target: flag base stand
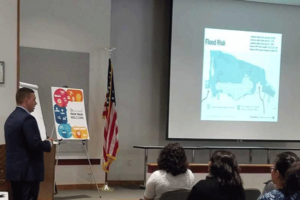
[[106, 188]]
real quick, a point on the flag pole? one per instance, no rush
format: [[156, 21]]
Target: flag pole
[[105, 186]]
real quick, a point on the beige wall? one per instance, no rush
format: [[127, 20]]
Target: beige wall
[[8, 54], [82, 26]]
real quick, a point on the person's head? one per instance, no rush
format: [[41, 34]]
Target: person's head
[[292, 177], [282, 163], [224, 167], [172, 159], [25, 97]]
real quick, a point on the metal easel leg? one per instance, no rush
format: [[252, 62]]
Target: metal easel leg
[[56, 163], [87, 155]]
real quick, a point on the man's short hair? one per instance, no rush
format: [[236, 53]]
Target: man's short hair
[[22, 94]]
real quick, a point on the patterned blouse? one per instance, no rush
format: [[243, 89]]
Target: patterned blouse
[[278, 195]]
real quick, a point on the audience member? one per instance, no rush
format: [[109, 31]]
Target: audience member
[[269, 184], [173, 173], [223, 182], [292, 183], [278, 173]]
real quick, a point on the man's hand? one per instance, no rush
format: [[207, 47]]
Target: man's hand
[[51, 139]]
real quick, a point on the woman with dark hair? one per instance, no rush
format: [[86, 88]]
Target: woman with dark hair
[[278, 173], [173, 173], [292, 184], [223, 182], [269, 184]]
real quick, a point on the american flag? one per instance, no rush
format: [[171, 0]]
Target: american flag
[[111, 142]]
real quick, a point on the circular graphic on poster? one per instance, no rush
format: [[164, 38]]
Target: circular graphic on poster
[[79, 132], [65, 131], [61, 97], [75, 95]]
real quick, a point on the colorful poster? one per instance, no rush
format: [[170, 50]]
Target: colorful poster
[[69, 114]]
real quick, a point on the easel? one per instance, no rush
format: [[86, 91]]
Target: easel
[[83, 142]]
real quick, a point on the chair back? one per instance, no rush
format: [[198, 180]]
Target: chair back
[[181, 194], [252, 193]]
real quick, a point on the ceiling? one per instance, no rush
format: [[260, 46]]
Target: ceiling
[[286, 2]]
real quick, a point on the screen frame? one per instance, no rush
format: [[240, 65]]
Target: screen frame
[[168, 138]]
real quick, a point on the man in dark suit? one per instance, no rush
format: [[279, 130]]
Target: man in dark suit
[[24, 148]]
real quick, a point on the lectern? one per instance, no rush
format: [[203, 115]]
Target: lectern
[[46, 187]]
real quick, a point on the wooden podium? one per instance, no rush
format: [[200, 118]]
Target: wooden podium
[[46, 187], [4, 184]]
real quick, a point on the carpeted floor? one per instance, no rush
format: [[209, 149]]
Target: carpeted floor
[[124, 193]]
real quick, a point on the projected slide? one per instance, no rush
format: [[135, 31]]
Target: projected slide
[[241, 73]]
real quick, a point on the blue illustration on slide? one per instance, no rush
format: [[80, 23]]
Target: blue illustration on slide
[[65, 130], [235, 77], [60, 114]]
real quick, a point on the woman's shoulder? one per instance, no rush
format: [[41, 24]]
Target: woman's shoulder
[[159, 173], [209, 183], [162, 172], [189, 173], [269, 187], [272, 195], [206, 187], [213, 184]]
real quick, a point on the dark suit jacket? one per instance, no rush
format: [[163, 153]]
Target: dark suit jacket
[[211, 189], [24, 147]]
